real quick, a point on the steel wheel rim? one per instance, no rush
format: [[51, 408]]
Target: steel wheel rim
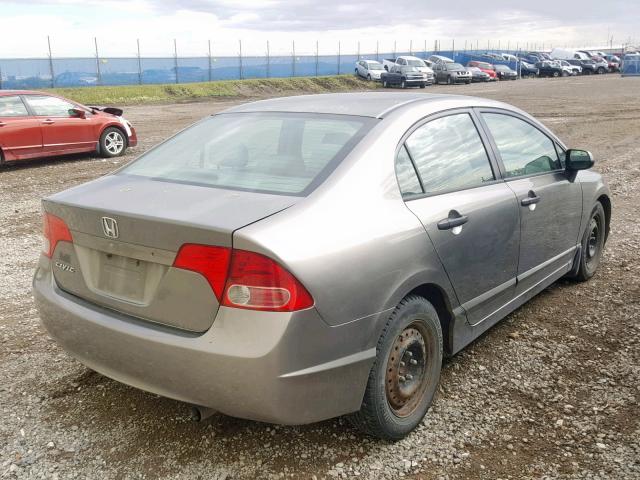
[[593, 243], [114, 142], [407, 374]]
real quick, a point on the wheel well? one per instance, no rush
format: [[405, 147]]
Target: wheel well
[[118, 127], [606, 205], [440, 302]]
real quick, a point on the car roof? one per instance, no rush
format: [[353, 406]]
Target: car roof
[[364, 104], [19, 92]]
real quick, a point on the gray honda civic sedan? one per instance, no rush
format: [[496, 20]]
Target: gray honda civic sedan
[[297, 259]]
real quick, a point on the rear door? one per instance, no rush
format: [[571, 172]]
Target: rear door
[[550, 202], [20, 135], [470, 216], [62, 132]]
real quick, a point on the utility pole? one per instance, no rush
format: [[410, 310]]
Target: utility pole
[[139, 63], [240, 59], [209, 58], [394, 49], [53, 80], [268, 60], [293, 58], [98, 74], [410, 47], [358, 50], [175, 59]]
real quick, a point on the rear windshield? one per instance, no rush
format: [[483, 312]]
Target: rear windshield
[[281, 153], [416, 63]]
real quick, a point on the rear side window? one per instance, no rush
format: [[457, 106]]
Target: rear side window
[[407, 177], [449, 154], [524, 149], [278, 153], [12, 107]]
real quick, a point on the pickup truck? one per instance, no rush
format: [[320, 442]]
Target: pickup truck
[[406, 61], [406, 76]]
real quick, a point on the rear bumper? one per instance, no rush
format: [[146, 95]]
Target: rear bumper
[[133, 138], [287, 368]]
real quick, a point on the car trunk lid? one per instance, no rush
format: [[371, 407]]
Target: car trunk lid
[[126, 233]]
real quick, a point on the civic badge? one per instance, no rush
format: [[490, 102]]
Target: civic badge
[[110, 227]]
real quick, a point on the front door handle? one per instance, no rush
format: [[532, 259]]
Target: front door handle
[[48, 121], [2, 124], [452, 221]]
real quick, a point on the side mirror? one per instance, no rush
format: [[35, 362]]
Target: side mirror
[[77, 113], [578, 160]]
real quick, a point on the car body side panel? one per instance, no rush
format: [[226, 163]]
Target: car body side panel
[[20, 138]]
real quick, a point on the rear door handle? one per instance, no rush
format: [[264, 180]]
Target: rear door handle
[[530, 200], [48, 121], [2, 124], [449, 223]]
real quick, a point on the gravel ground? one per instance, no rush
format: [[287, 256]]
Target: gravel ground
[[550, 392]]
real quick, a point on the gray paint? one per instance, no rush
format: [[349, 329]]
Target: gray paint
[[354, 244]]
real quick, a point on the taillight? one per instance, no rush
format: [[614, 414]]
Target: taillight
[[54, 231], [211, 262], [257, 282], [243, 279]]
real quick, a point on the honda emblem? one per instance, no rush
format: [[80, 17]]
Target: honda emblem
[[110, 227]]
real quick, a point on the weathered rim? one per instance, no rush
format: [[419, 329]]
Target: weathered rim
[[407, 373]]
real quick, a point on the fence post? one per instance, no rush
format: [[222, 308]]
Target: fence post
[[98, 74], [139, 63], [209, 58], [394, 49], [377, 51], [240, 59], [268, 60], [316, 58], [425, 49], [358, 50], [338, 57], [410, 47], [175, 58], [0, 77], [293, 58], [53, 81], [453, 48]]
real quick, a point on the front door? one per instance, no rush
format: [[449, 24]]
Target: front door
[[62, 132], [550, 202], [470, 216], [20, 135]]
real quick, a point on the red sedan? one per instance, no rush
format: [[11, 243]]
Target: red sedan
[[485, 67], [35, 124]]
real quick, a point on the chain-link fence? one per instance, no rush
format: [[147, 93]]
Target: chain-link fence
[[32, 73]]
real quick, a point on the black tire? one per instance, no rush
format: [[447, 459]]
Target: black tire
[[468, 82], [592, 244], [601, 70], [422, 85], [385, 84], [412, 336], [403, 83], [369, 77], [565, 73], [113, 142], [556, 74], [449, 81]]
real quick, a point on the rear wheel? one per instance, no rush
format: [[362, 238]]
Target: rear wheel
[[601, 70], [112, 142], [565, 73], [405, 373], [556, 74], [592, 244]]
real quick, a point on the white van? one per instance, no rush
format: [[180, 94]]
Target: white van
[[568, 54]]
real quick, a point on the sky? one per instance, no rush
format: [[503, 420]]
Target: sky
[[116, 25]]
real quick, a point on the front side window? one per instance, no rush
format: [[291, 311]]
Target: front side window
[[449, 154], [524, 149], [46, 106], [279, 153], [12, 107]]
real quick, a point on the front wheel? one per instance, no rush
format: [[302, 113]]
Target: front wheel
[[601, 71], [556, 74], [422, 85], [385, 84], [403, 84], [405, 373], [112, 142], [592, 244], [369, 77]]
